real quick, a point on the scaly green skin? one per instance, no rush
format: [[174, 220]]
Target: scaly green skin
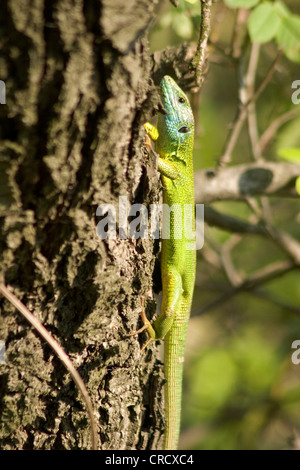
[[174, 142]]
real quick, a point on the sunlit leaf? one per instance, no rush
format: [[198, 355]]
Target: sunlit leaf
[[281, 9], [291, 154], [166, 20], [263, 23], [241, 3], [293, 53], [288, 36], [183, 26]]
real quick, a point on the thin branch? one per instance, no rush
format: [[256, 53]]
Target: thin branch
[[252, 68], [244, 181], [201, 54], [238, 122], [252, 120], [268, 77], [270, 298], [44, 333], [259, 278], [219, 18], [287, 243], [211, 256], [233, 136], [232, 274], [242, 111], [240, 20], [232, 224], [254, 205], [271, 131], [268, 273], [267, 210]]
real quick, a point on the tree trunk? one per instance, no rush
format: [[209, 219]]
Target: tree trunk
[[77, 93]]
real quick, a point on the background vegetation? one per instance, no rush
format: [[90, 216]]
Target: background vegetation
[[241, 388]]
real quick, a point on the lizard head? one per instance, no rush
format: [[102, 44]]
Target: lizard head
[[177, 126]]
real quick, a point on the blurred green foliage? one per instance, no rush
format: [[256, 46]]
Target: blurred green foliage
[[241, 388], [183, 20], [273, 20]]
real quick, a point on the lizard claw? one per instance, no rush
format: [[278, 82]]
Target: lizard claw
[[146, 326]]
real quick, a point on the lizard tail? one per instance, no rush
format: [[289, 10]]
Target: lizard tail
[[174, 351]]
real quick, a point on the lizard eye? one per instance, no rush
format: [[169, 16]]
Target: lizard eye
[[184, 129], [181, 100]]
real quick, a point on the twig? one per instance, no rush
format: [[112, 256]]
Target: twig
[[274, 126], [240, 19], [239, 120], [60, 353], [265, 295], [266, 209], [268, 77], [263, 276], [201, 54], [243, 111], [217, 23], [228, 266], [231, 224], [255, 208], [250, 82], [233, 136], [287, 243], [252, 118]]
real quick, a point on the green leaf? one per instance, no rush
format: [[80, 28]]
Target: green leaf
[[166, 20], [288, 36], [263, 23], [293, 53], [290, 154], [241, 3], [183, 26], [281, 9]]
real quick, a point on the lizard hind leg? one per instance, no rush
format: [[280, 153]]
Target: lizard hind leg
[[146, 326]]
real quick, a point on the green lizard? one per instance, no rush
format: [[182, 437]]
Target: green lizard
[[174, 139]]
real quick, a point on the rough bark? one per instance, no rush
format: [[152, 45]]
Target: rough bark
[[77, 82]]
